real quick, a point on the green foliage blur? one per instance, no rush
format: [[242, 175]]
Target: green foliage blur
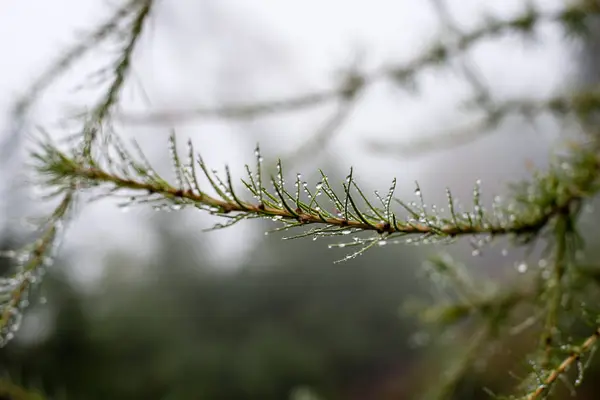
[[188, 330]]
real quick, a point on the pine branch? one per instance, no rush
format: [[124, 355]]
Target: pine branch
[[75, 53], [548, 382], [536, 203], [30, 264], [581, 104], [58, 68], [403, 74], [121, 68]]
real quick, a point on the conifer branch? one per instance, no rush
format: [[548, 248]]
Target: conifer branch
[[437, 54], [554, 374], [110, 28], [581, 104], [71, 56], [129, 173], [30, 264], [121, 69]]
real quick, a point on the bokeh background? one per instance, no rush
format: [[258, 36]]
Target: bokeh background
[[145, 305]]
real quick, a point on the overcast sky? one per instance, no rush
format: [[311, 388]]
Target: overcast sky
[[211, 51]]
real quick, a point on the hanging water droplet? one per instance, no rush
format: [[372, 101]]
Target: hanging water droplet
[[522, 267], [580, 371], [543, 263], [319, 185], [476, 253], [417, 192]]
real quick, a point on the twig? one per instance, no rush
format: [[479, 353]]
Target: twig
[[585, 347], [399, 74]]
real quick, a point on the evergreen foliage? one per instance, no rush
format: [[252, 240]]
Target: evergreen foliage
[[547, 208]]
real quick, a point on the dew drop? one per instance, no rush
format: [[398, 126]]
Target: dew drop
[[522, 267]]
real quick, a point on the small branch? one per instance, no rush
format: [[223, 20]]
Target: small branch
[[583, 104], [75, 53], [454, 373], [555, 287], [324, 134], [29, 261], [233, 111], [400, 74], [57, 68], [101, 111], [585, 347]]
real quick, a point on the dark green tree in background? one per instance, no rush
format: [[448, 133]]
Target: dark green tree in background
[[294, 326]]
